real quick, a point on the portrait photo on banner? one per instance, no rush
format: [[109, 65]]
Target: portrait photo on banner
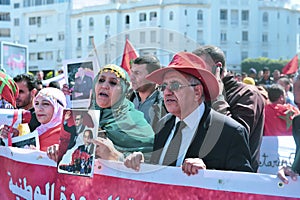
[[79, 75], [76, 150]]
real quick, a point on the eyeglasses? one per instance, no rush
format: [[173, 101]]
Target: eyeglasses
[[77, 119], [174, 86]]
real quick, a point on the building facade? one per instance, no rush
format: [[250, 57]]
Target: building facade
[[55, 30]]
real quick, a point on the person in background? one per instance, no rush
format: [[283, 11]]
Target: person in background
[[286, 84], [145, 97], [278, 114], [249, 81], [48, 105], [9, 91], [54, 84], [276, 75], [40, 75], [8, 94], [266, 79], [296, 90], [241, 102], [27, 91], [39, 85], [252, 74], [186, 84], [126, 128]]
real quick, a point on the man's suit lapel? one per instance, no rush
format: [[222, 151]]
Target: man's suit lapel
[[193, 150]]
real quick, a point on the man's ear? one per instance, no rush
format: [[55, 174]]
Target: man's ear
[[33, 92], [198, 92]]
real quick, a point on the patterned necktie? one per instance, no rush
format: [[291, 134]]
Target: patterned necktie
[[174, 146]]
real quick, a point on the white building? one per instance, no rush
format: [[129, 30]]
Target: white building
[[55, 30], [5, 18]]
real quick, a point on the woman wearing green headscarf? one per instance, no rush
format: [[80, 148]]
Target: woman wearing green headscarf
[[126, 129]]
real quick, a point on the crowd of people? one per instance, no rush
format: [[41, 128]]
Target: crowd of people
[[193, 113]]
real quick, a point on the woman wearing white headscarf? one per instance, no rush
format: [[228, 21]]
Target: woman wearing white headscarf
[[48, 105]]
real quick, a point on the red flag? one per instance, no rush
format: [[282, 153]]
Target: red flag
[[128, 55], [291, 67]]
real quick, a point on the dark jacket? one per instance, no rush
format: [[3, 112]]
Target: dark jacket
[[245, 104], [231, 151]]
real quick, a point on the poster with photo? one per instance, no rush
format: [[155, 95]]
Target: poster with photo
[[27, 141], [79, 75], [76, 150]]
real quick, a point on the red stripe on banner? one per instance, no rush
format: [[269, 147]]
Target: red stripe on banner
[[18, 179]]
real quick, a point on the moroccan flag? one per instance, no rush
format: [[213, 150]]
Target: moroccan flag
[[129, 54], [291, 67]]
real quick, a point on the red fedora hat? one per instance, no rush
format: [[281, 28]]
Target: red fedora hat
[[193, 65]]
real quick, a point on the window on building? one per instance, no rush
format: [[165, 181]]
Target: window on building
[[223, 36], [50, 1], [61, 36], [200, 37], [32, 20], [16, 5], [153, 16], [143, 17], [39, 21], [299, 21], [4, 2], [91, 22], [127, 19], [79, 25], [171, 37], [38, 2], [185, 12], [16, 22], [127, 36], [142, 37], [223, 15], [4, 32], [278, 15], [49, 55], [288, 20], [91, 41], [107, 21], [200, 15], [78, 43], [171, 16], [264, 37], [265, 17], [153, 36], [245, 15], [244, 55], [245, 36], [32, 56], [40, 55], [49, 38], [234, 17], [32, 38]]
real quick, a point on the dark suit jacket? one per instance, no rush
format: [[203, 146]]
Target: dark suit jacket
[[73, 133], [82, 149], [296, 134], [231, 151]]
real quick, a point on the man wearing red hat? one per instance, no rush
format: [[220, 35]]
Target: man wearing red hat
[[193, 135]]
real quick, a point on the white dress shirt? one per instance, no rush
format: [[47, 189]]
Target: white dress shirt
[[192, 121]]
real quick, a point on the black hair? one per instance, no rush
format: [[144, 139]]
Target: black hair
[[28, 78], [152, 62]]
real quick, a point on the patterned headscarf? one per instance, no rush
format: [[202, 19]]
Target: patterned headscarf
[[58, 100], [126, 127], [8, 89]]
